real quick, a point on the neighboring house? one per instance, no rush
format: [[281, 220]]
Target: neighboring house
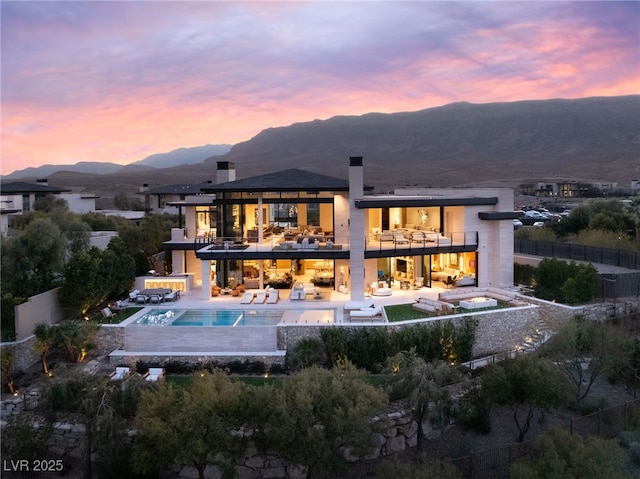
[[567, 188], [19, 196], [268, 229], [162, 198]]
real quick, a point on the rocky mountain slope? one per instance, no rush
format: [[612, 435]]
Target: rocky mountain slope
[[460, 144]]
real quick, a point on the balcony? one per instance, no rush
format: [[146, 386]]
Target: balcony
[[405, 244], [274, 247]]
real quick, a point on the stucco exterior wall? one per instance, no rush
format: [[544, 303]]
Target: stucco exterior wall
[[41, 308]]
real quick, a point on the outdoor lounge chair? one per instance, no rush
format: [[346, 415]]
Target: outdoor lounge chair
[[142, 299], [154, 374], [172, 296], [366, 313], [155, 298], [247, 297], [261, 297], [107, 313], [273, 296], [133, 295], [119, 373]]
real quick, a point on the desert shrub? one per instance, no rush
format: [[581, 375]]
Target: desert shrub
[[473, 410], [605, 239]]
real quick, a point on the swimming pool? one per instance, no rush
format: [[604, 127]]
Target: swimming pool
[[233, 317], [210, 317]]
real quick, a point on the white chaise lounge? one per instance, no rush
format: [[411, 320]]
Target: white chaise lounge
[[154, 374], [366, 313], [119, 373]]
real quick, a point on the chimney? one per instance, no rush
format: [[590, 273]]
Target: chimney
[[42, 181], [144, 187], [356, 228], [356, 177], [226, 171]]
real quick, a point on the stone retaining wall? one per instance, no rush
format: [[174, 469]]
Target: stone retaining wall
[[124, 358]]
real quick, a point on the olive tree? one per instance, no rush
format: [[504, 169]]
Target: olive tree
[[560, 454], [191, 427], [585, 350], [319, 417], [421, 386], [525, 384]]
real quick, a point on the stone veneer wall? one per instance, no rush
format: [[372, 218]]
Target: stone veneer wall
[[497, 331], [398, 432], [24, 355], [130, 359], [110, 338]]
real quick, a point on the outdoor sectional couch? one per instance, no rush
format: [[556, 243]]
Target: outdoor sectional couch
[[495, 293], [431, 305]]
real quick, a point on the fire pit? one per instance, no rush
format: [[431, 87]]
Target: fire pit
[[478, 302]]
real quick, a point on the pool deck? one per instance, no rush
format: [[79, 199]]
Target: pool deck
[[330, 299], [149, 342]]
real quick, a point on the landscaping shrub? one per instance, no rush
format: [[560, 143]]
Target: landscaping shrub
[[369, 348], [523, 274], [335, 343], [308, 352], [565, 282]]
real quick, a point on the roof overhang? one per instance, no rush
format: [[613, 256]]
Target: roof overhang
[[498, 215], [419, 201]]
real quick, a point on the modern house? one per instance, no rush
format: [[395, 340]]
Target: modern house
[[294, 225]]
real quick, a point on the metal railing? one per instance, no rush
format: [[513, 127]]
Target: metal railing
[[496, 462], [238, 243], [405, 243], [591, 254]]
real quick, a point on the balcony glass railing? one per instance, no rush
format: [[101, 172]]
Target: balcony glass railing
[[407, 242], [272, 243]]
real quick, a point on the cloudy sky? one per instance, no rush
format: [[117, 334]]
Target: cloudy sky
[[120, 80]]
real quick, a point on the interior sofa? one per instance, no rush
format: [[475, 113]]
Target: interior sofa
[[381, 288]]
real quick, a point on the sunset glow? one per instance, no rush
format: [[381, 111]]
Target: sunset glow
[[117, 81]]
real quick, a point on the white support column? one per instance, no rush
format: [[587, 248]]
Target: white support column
[[356, 229], [206, 280], [260, 218]]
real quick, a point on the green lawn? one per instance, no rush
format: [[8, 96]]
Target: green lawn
[[404, 312]]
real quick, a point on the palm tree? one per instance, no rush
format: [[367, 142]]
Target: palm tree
[[44, 336]]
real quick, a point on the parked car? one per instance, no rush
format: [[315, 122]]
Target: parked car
[[533, 214], [517, 224], [538, 224]]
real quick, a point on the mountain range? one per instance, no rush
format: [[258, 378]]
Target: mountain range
[[460, 144]]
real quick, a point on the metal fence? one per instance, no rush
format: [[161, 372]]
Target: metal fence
[[612, 285], [590, 254], [496, 462]]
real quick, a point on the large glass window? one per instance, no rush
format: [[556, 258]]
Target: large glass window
[[284, 214]]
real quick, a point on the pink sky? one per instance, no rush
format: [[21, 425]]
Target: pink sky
[[118, 81]]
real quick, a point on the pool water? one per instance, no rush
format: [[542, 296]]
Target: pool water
[[209, 317], [234, 317]]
